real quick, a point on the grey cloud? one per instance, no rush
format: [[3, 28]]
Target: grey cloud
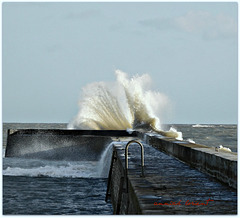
[[83, 14], [201, 23], [116, 26], [159, 23], [208, 25]]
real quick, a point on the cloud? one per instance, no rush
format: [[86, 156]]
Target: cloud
[[208, 25], [159, 23], [201, 23], [83, 14], [117, 26]]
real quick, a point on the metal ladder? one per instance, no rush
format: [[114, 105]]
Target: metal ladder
[[121, 188], [142, 156]]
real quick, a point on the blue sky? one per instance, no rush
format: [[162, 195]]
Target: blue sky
[[51, 50]]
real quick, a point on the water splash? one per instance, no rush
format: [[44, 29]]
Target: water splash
[[220, 147], [105, 161], [57, 169], [127, 103]]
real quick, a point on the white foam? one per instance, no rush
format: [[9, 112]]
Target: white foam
[[179, 134], [191, 141], [224, 148], [126, 104], [105, 161], [83, 169], [51, 168], [129, 130], [202, 126]]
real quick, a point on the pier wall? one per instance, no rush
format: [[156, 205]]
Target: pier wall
[[123, 201], [165, 180], [220, 164], [59, 144]]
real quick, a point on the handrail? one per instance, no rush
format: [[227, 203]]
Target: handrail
[[142, 155]]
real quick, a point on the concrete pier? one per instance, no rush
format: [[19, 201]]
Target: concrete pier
[[58, 144], [220, 164], [179, 177], [169, 187]]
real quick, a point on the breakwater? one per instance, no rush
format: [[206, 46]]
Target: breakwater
[[168, 186], [58, 143], [220, 164]]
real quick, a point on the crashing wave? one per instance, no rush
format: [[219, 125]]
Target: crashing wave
[[127, 103]]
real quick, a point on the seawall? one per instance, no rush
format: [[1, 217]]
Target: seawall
[[174, 171], [220, 164], [59, 144], [168, 187], [25, 143]]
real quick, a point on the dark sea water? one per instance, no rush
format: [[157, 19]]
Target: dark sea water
[[210, 134], [41, 187], [54, 196], [44, 187]]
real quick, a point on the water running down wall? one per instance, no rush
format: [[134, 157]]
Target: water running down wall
[[60, 153]]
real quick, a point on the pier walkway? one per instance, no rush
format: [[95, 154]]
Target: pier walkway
[[169, 186]]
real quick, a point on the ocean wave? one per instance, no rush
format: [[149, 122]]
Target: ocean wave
[[126, 104], [86, 169], [202, 126]]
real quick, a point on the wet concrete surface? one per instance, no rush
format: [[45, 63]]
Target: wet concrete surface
[[172, 187]]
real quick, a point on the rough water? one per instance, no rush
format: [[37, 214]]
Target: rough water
[[34, 186], [213, 135], [47, 187], [51, 187], [29, 195]]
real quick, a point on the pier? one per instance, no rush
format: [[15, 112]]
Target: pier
[[177, 177], [168, 187]]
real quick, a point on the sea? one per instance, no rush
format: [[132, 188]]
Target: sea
[[45, 187]]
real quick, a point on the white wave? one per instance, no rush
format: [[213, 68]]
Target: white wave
[[127, 103], [179, 134], [202, 126], [172, 133], [191, 141], [130, 131], [105, 161], [83, 169], [73, 169], [221, 148]]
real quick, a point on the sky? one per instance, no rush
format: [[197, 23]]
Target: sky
[[51, 50]]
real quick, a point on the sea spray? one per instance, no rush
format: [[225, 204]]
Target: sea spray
[[56, 169], [105, 161], [128, 103]]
